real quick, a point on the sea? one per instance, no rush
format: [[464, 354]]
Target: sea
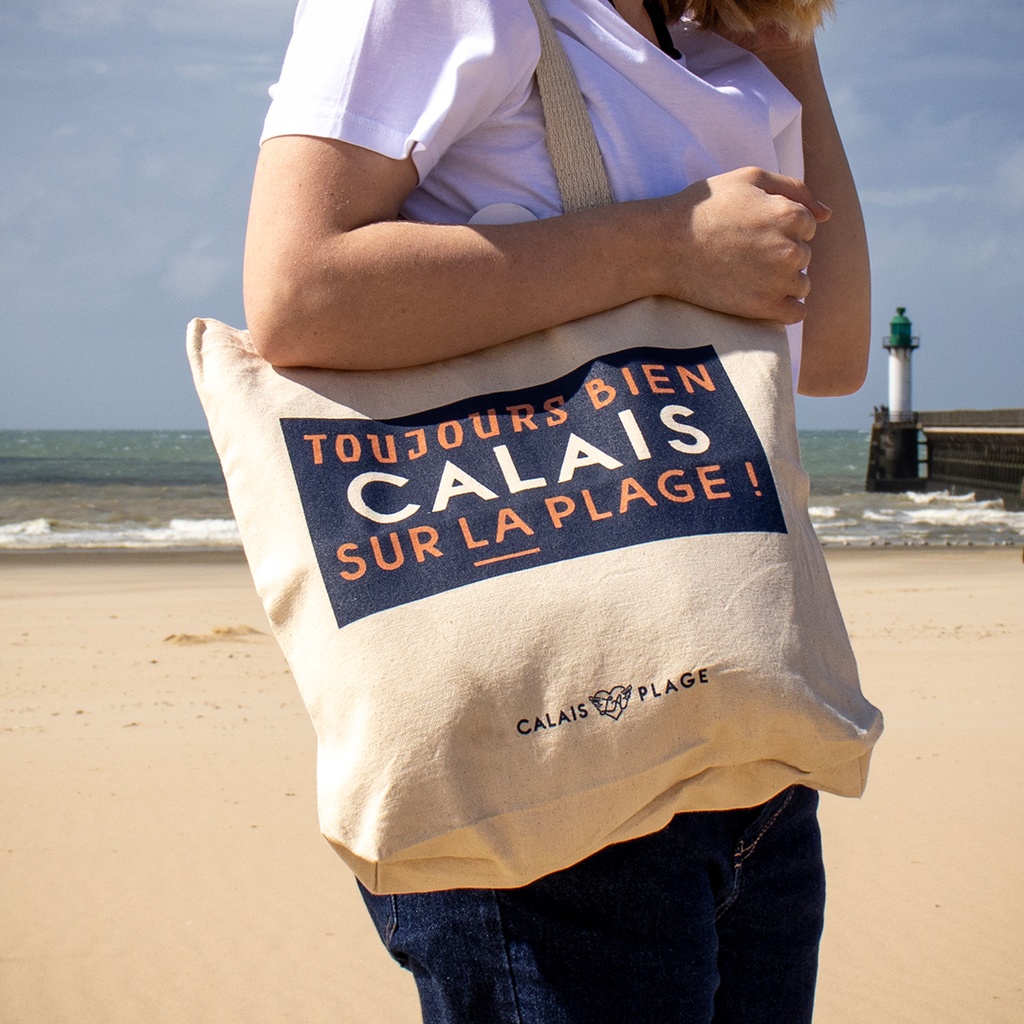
[[161, 490]]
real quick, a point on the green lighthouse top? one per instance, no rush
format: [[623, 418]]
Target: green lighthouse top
[[899, 331]]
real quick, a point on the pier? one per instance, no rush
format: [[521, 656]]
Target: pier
[[962, 450]]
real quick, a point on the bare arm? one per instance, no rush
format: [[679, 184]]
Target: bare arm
[[332, 279], [837, 328]]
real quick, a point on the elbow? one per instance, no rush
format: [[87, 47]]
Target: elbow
[[273, 313], [833, 384], [834, 362], [272, 339], [290, 328], [279, 339], [836, 374]]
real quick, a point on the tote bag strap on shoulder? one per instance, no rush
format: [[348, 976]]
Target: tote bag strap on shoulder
[[572, 145]]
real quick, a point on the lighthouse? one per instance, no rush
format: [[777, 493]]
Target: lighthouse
[[901, 344], [893, 463]]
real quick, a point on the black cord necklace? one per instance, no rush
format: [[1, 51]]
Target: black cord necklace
[[657, 15]]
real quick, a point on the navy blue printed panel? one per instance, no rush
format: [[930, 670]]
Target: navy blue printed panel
[[638, 446]]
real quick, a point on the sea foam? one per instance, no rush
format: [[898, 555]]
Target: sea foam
[[183, 534]]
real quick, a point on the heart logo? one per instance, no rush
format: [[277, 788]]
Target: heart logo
[[612, 703]]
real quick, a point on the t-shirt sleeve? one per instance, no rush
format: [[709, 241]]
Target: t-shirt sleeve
[[402, 77]]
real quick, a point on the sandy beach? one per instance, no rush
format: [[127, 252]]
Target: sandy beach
[[160, 861]]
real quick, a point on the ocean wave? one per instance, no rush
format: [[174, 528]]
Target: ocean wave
[[936, 497], [819, 512], [39, 534], [930, 519], [952, 517]]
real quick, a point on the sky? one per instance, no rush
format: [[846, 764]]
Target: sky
[[129, 137]]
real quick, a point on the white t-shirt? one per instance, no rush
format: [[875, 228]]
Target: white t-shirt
[[450, 82]]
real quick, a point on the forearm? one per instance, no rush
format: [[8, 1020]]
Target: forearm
[[333, 279], [837, 328], [395, 293]]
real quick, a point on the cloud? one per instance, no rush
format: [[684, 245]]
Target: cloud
[[200, 271], [1010, 177], [912, 24], [244, 71], [959, 163], [77, 16], [232, 18], [912, 195], [939, 67], [189, 18], [857, 119]]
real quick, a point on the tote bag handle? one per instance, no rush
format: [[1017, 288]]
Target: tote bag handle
[[572, 145]]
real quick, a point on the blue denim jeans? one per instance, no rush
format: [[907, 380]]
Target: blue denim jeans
[[716, 918]]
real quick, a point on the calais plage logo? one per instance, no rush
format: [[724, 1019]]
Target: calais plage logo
[[612, 702], [636, 447]]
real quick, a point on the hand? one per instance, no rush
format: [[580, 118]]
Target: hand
[[743, 245]]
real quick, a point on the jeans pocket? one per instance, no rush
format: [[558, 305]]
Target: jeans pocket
[[763, 818], [759, 827]]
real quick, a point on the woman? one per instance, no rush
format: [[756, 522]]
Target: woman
[[395, 125]]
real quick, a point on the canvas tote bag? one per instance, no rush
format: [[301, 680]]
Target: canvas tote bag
[[540, 598]]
